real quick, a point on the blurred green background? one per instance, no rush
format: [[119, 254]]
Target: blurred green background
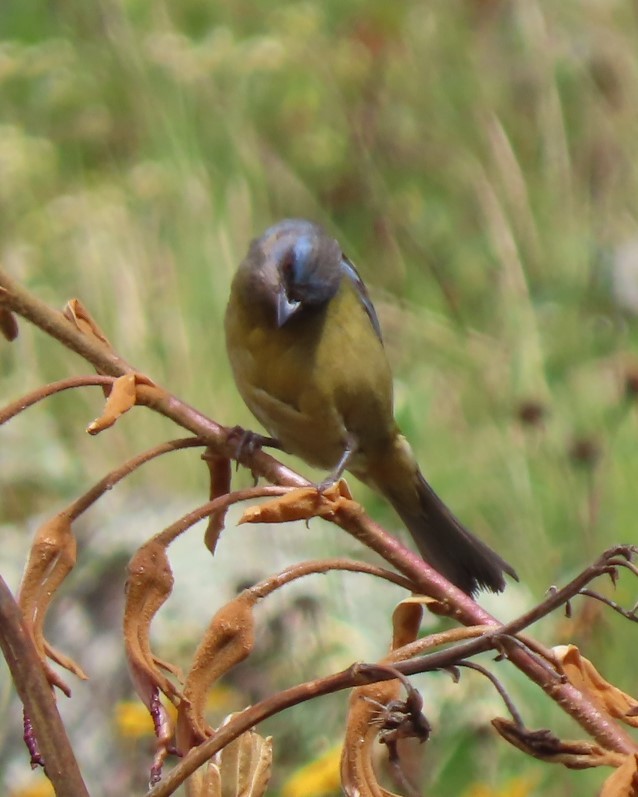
[[478, 162]]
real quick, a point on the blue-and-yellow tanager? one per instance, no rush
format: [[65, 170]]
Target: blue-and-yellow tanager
[[306, 351]]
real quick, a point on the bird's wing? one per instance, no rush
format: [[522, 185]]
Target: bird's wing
[[362, 292]]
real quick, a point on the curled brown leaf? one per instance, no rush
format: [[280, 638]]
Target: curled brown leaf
[[51, 559], [545, 745], [367, 707], [121, 398], [227, 641], [302, 504], [624, 781], [219, 470], [406, 621], [584, 676], [370, 704], [149, 584], [77, 313]]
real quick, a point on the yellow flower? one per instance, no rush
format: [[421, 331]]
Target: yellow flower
[[133, 720], [321, 776], [41, 787], [223, 699]]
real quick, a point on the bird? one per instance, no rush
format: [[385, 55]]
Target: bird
[[307, 355]]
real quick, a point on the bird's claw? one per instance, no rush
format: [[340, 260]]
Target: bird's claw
[[248, 442]]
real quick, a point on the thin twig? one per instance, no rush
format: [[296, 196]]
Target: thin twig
[[314, 566], [514, 712], [81, 504], [13, 409], [628, 614]]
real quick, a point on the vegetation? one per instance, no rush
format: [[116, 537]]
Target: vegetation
[[477, 161]]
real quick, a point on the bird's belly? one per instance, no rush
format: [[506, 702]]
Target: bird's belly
[[309, 433], [282, 388], [315, 388]]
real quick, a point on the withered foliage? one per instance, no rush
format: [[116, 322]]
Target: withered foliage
[[384, 707]]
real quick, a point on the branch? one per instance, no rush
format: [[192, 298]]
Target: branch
[[462, 608], [355, 675], [37, 698], [81, 504], [11, 410]]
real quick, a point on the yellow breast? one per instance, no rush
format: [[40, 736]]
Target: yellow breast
[[316, 380]]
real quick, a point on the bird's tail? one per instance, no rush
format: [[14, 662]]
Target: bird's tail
[[441, 539], [448, 546]]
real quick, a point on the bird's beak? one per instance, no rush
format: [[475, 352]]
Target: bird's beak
[[285, 308]]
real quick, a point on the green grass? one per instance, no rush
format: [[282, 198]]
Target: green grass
[[477, 160]]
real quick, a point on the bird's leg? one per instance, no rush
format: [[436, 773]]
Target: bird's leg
[[350, 449]]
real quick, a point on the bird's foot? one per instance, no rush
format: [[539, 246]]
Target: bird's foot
[[327, 482], [349, 450], [248, 442]]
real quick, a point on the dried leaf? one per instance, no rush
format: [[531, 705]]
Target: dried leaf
[[51, 559], [584, 676], [64, 661], [8, 324], [624, 781], [246, 766], [205, 782], [77, 313], [434, 606], [149, 584], [366, 704], [406, 621], [120, 399], [219, 469], [302, 504], [228, 640], [241, 769], [367, 710], [543, 744]]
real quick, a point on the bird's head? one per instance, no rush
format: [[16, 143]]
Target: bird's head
[[293, 266]]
